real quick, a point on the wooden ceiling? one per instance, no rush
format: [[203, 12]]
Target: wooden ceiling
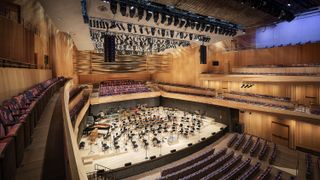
[[235, 12]]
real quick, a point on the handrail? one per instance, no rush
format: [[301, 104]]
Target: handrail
[[75, 168]]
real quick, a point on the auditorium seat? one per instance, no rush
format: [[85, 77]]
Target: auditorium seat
[[7, 159], [18, 116]]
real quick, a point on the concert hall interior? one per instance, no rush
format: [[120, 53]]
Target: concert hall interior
[[159, 89]]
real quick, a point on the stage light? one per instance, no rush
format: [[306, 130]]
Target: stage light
[[207, 28], [148, 15], [113, 7], [163, 18], [141, 29], [155, 16], [198, 26], [163, 32], [113, 25], [171, 33], [132, 11], [176, 21], [129, 27], [203, 26], [134, 29], [153, 31], [190, 36], [170, 19], [187, 24], [140, 12], [123, 9], [211, 28], [182, 22], [192, 25]]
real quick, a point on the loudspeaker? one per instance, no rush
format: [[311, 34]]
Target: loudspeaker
[[109, 46], [127, 164], [203, 54], [152, 157], [215, 63]]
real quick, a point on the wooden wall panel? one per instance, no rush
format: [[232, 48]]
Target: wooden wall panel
[[17, 43], [308, 135], [15, 80], [299, 133], [186, 67], [95, 78]]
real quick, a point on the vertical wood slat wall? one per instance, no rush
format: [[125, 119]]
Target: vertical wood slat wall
[[17, 43]]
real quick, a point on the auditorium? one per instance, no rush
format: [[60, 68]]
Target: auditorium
[[160, 89]]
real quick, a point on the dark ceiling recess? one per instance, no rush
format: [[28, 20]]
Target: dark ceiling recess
[[171, 15]]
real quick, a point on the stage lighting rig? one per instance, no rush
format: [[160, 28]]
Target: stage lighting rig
[[140, 13], [170, 19], [123, 9], [113, 6], [176, 21], [163, 18], [155, 16], [148, 15], [132, 11]]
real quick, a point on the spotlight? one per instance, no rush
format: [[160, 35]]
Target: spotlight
[[155, 16], [190, 36], [192, 25], [197, 26], [171, 33], [170, 19], [203, 26], [134, 29], [163, 18], [141, 29], [182, 22], [148, 15], [187, 24], [140, 12], [123, 9], [207, 28], [153, 31], [163, 32], [176, 21], [129, 27], [113, 7], [132, 11], [113, 25], [211, 28]]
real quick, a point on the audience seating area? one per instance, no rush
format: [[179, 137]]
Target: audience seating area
[[74, 112], [117, 87], [287, 99], [74, 92], [225, 164], [18, 117]]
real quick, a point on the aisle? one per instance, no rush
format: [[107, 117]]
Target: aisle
[[35, 154]]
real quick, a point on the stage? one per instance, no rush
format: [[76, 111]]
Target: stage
[[173, 139]]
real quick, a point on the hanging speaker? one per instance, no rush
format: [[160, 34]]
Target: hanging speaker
[[203, 54], [109, 48]]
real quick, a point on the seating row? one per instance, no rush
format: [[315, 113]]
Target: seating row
[[74, 92], [232, 140], [273, 154], [77, 108], [257, 103], [309, 167], [188, 163], [251, 172], [265, 174], [196, 166], [18, 117], [247, 145], [261, 96], [240, 141], [263, 153], [116, 87], [213, 166], [255, 148], [238, 170]]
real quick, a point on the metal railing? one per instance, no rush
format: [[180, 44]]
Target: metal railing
[[101, 173]]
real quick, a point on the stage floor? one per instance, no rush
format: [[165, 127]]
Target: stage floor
[[112, 159]]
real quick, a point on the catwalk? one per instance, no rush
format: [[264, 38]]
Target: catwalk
[[136, 135]]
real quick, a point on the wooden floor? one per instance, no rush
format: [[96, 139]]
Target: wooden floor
[[35, 155], [287, 161]]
